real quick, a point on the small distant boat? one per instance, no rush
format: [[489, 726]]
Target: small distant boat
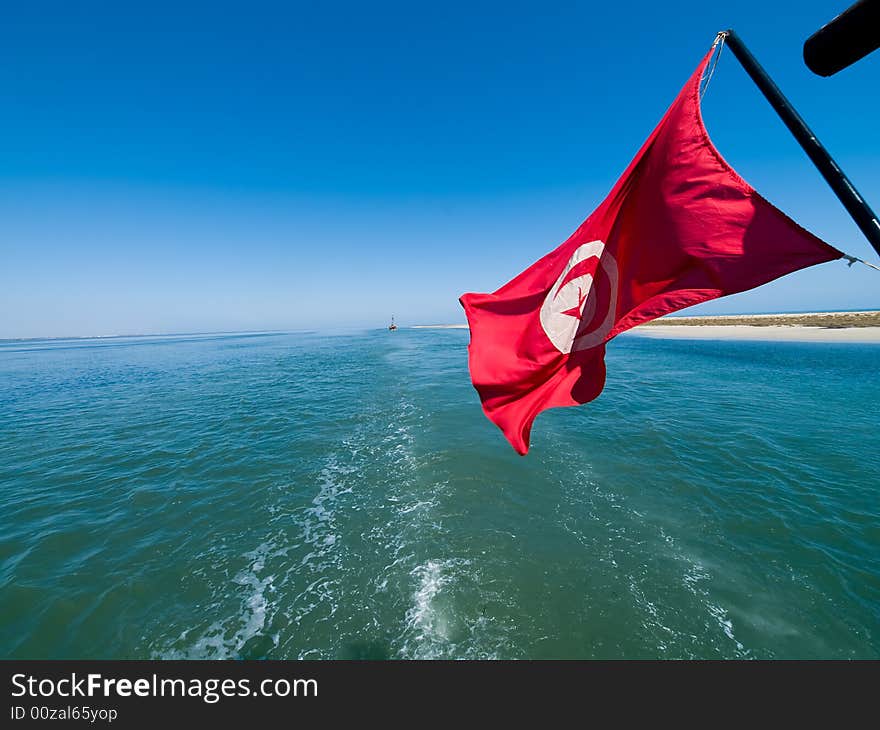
[[392, 326]]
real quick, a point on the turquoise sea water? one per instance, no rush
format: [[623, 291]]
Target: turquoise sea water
[[342, 496]]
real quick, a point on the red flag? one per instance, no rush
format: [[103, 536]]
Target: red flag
[[680, 227]]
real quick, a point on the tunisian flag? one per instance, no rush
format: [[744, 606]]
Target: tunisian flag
[[680, 227]]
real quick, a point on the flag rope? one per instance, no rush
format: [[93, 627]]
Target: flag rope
[[850, 260], [704, 82]]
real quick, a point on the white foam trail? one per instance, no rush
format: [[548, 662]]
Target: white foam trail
[[426, 623], [224, 639], [320, 531], [692, 579], [424, 617]]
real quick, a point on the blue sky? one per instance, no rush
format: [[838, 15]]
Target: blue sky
[[187, 167]]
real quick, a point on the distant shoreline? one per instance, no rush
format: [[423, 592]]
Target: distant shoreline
[[438, 327], [836, 320], [795, 327]]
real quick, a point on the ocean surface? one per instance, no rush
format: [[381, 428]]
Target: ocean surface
[[341, 495]]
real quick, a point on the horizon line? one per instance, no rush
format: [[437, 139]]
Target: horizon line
[[209, 333]]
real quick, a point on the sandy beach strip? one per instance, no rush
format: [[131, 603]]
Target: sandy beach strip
[[789, 333]]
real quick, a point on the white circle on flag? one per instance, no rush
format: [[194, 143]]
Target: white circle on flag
[[573, 299]]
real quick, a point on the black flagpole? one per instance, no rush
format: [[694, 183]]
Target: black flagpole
[[852, 35], [858, 209]]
